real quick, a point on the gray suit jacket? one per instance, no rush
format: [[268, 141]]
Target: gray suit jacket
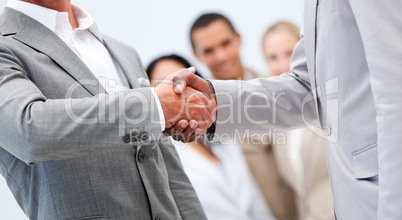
[[71, 151], [349, 56]]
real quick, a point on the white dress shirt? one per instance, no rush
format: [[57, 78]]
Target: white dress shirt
[[295, 140], [86, 41]]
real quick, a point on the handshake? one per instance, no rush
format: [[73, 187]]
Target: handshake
[[188, 103]]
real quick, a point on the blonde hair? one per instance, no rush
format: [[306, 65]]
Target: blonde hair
[[283, 26]]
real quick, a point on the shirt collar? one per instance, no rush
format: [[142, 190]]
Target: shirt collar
[[52, 19], [85, 21]]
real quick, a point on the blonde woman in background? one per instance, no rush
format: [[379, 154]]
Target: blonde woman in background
[[301, 158]]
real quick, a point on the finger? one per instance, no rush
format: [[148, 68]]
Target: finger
[[192, 138], [193, 124], [168, 124], [185, 135], [168, 132], [198, 132], [188, 133], [191, 69], [178, 128]]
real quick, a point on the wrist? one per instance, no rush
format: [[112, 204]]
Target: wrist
[[212, 95]]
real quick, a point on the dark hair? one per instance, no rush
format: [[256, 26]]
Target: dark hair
[[174, 57], [205, 20]]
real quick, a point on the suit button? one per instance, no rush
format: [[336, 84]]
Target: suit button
[[126, 138], [141, 156], [144, 136], [135, 137]]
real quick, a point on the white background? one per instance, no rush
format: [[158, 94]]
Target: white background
[[160, 27]]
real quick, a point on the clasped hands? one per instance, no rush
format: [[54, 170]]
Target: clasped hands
[[188, 103]]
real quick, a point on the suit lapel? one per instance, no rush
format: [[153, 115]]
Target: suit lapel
[[310, 18], [124, 60], [310, 37], [37, 36]]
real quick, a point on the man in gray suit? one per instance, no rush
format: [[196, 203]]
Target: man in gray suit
[[347, 68], [81, 132]]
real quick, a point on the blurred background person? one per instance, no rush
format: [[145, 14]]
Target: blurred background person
[[216, 43], [218, 171], [157, 69], [301, 158], [278, 44]]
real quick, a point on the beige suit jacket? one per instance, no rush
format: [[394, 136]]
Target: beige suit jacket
[[313, 190]]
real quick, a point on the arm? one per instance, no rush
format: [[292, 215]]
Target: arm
[[380, 27], [35, 128], [260, 105]]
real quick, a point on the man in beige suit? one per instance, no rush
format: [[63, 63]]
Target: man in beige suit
[[216, 43]]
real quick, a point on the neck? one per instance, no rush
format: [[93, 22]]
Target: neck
[[57, 5], [242, 74]]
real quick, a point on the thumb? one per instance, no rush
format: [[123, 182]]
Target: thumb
[[180, 82], [189, 79]]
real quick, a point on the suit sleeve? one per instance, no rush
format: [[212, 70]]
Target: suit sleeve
[[261, 106], [380, 27], [35, 128]]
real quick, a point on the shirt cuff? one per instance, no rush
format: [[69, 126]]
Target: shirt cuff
[[160, 110]]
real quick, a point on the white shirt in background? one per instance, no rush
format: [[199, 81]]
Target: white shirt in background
[[227, 190], [294, 139]]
